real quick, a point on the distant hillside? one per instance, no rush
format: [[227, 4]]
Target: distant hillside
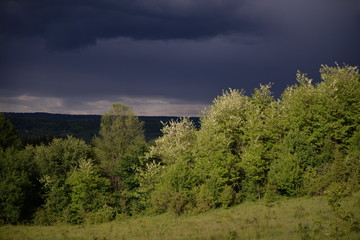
[[40, 127]]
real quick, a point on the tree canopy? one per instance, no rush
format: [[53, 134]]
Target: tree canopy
[[247, 147]]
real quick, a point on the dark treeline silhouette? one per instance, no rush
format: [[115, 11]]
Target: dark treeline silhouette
[[35, 128]]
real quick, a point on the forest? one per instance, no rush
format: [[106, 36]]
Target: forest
[[247, 148], [37, 128]]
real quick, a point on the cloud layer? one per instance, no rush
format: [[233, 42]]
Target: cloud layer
[[182, 52], [72, 24]]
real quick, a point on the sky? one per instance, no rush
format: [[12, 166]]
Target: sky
[[164, 57]]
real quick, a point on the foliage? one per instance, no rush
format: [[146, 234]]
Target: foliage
[[104, 214], [248, 147], [322, 119], [8, 135], [344, 221], [176, 142], [220, 140], [55, 162], [89, 192], [41, 128], [294, 155], [128, 199], [148, 178], [352, 161], [176, 178], [18, 186], [60, 156], [120, 134]]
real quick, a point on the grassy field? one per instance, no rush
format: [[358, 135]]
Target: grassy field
[[301, 218]]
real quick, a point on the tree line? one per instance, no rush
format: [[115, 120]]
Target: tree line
[[307, 142], [41, 128]]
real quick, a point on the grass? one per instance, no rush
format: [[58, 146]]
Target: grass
[[300, 218]]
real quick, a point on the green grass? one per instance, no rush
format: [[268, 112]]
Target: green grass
[[300, 218]]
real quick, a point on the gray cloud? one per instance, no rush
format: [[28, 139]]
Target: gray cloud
[[72, 24], [86, 54]]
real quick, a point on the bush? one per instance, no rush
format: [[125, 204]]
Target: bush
[[104, 214], [179, 202], [205, 199], [316, 180], [227, 197], [44, 216], [88, 190], [160, 199], [73, 215], [16, 186]]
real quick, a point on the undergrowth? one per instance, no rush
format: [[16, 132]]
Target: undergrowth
[[334, 216]]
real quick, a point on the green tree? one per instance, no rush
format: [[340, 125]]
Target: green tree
[[327, 110], [340, 88], [294, 154], [54, 163], [128, 170], [19, 188], [120, 134], [8, 135], [170, 190], [221, 137], [353, 160], [317, 122], [89, 192], [176, 142], [60, 156], [260, 134], [220, 144]]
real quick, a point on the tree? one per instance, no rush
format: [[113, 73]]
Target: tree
[[174, 150], [176, 142], [219, 145], [55, 162], [19, 188], [340, 90], [317, 122], [60, 156], [260, 133], [353, 160], [89, 192], [221, 137], [294, 154], [8, 135], [121, 133]]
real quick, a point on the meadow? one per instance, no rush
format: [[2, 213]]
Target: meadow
[[296, 218]]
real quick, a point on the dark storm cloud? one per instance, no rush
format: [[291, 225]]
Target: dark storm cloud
[[123, 66], [163, 56], [72, 24]]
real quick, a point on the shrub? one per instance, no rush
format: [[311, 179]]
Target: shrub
[[104, 214]]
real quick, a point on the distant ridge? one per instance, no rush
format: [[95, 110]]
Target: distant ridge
[[45, 115], [44, 125]]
